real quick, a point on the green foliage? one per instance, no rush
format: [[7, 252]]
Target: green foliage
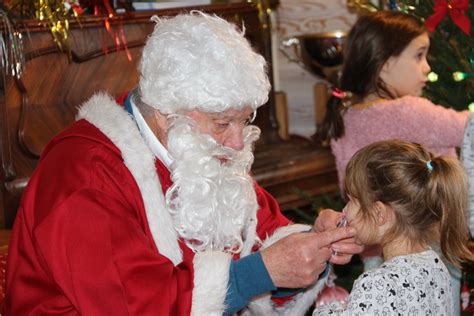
[[451, 50], [308, 214]]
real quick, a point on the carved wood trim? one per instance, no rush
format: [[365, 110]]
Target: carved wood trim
[[7, 167], [76, 58], [23, 121], [137, 17]]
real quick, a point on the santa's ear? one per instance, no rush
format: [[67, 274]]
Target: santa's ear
[[383, 212]]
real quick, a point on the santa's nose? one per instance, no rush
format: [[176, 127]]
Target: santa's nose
[[235, 138]]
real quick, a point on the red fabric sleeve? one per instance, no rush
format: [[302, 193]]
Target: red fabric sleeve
[[269, 216], [97, 262]]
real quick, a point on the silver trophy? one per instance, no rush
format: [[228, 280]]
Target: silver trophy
[[319, 53]]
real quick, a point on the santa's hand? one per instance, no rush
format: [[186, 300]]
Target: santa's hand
[[343, 250], [297, 260], [327, 219]]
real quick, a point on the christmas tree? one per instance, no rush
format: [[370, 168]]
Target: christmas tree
[[451, 55], [452, 49]]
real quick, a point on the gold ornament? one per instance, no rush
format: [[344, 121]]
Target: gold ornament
[[11, 48], [361, 6]]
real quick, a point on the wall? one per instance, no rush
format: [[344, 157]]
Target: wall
[[295, 17]]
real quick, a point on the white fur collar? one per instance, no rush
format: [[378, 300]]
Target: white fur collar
[[103, 112]]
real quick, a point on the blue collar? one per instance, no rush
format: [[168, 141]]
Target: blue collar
[[127, 104]]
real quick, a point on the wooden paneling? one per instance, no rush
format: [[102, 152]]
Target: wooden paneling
[[294, 167]]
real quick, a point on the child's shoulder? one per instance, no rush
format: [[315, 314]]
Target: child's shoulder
[[411, 105], [393, 104], [405, 265], [409, 101], [427, 257], [406, 269], [411, 280]]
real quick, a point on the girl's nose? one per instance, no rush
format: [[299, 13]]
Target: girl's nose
[[426, 67]]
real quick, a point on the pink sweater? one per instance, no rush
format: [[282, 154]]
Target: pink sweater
[[409, 118]]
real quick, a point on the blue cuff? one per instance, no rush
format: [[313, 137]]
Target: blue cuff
[[248, 277], [282, 292]]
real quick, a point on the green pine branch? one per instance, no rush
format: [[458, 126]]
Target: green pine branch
[[451, 50]]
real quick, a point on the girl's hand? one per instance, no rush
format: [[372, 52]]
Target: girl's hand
[[343, 250]]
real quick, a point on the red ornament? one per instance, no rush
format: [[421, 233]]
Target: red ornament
[[332, 293], [466, 305], [456, 10]]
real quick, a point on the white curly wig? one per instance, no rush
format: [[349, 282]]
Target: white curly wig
[[198, 61]]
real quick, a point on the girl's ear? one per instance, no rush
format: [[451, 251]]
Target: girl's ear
[[383, 213], [387, 68]]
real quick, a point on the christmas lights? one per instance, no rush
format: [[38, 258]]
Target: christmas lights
[[432, 77], [460, 76]]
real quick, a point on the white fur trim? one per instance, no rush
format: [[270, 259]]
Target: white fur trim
[[283, 232], [250, 235], [211, 276], [298, 306], [300, 303], [112, 120]]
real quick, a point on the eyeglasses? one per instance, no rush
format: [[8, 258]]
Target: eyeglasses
[[219, 123]]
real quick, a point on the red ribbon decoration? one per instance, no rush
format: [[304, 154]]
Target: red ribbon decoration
[[456, 10]]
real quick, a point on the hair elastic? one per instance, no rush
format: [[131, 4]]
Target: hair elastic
[[338, 93], [429, 166], [344, 96]]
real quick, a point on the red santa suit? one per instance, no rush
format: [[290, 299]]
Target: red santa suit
[[93, 236]]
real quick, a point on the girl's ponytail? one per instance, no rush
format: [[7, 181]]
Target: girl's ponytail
[[332, 126], [447, 198]]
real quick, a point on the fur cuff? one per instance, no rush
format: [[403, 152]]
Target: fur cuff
[[284, 231], [298, 306], [211, 276], [300, 303]]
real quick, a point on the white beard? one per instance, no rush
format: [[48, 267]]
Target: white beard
[[213, 204]]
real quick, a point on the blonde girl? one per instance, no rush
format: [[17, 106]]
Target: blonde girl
[[404, 198]]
